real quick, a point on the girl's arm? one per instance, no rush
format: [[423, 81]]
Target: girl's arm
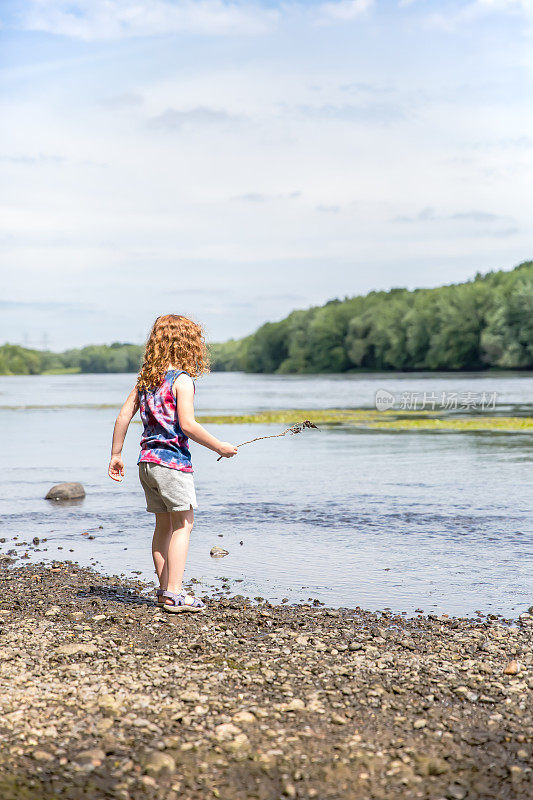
[[184, 390], [125, 415]]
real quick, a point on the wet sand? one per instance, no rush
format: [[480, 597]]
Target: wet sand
[[102, 695]]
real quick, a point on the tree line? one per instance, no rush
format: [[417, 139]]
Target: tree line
[[116, 357], [483, 323]]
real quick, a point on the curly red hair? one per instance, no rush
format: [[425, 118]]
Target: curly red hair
[[177, 341]]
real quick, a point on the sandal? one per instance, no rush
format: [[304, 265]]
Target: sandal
[[180, 602]]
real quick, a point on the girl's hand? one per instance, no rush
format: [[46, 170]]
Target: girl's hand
[[226, 450], [116, 468]]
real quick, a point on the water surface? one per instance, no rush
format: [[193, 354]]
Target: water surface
[[438, 521]]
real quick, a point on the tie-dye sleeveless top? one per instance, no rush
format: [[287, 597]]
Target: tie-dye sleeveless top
[[162, 441]]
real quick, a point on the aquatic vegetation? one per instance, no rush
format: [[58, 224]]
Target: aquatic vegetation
[[287, 416], [61, 371], [478, 423], [380, 420]]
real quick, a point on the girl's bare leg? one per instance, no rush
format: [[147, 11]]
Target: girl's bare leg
[[170, 545], [160, 542], [181, 527]]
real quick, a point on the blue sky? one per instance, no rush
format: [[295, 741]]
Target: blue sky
[[235, 160]]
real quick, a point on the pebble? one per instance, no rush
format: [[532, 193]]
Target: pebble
[[42, 755], [295, 705], [94, 757], [431, 765], [75, 648], [190, 697], [109, 704], [103, 725], [512, 668], [456, 792], [338, 720], [225, 731], [218, 552], [244, 717], [157, 762], [239, 745]]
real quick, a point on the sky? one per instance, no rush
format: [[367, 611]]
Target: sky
[[234, 160]]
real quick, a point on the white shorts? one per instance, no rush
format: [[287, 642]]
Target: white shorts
[[166, 489]]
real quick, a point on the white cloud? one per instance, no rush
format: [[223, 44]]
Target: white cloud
[[476, 9], [428, 214], [173, 119], [93, 20], [116, 19], [503, 5], [363, 113], [258, 197], [343, 10], [123, 101]]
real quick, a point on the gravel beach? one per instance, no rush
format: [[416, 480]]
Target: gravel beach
[[105, 696]]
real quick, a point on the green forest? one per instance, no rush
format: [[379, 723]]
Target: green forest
[[485, 323], [481, 324], [117, 357]]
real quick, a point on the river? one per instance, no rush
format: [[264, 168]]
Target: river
[[439, 521]]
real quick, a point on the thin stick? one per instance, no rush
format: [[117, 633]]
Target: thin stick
[[298, 427]]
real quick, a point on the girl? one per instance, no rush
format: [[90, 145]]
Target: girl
[[175, 354]]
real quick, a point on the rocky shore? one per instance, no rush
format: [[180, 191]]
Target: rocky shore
[[104, 696]]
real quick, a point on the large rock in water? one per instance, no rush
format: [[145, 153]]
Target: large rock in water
[[66, 491]]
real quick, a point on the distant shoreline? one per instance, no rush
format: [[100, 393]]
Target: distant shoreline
[[497, 371]]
